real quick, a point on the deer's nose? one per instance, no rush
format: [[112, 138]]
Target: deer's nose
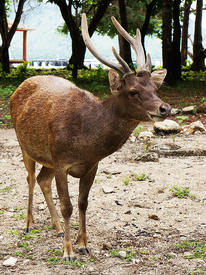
[[165, 109]]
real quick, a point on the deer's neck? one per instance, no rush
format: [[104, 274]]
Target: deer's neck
[[117, 128]]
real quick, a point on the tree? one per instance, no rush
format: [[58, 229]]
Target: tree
[[171, 33], [95, 10], [185, 24], [141, 14], [124, 46], [199, 53], [6, 34]]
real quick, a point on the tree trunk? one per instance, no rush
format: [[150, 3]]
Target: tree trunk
[[78, 54], [176, 41], [184, 43], [124, 46], [149, 9], [171, 44], [4, 52], [4, 59], [78, 46], [167, 38], [8, 35], [198, 50]]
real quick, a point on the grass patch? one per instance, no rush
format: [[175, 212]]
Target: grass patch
[[181, 192], [129, 254], [198, 249]]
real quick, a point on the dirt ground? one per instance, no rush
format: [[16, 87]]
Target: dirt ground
[[160, 233]]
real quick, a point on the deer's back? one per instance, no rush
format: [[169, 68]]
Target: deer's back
[[50, 110]]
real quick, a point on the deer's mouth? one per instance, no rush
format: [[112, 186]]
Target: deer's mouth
[[155, 117]]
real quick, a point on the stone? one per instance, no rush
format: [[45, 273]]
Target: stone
[[189, 110], [145, 134], [153, 217], [107, 246], [133, 138], [122, 254], [167, 126], [10, 261], [193, 127], [148, 157], [107, 190], [202, 108], [42, 207], [175, 111]]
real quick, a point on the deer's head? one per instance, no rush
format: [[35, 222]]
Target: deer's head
[[135, 91]]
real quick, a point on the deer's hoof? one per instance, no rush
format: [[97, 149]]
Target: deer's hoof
[[69, 258], [84, 251], [27, 230], [61, 234]]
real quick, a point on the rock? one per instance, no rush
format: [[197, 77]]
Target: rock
[[107, 189], [26, 261], [153, 217], [10, 262], [167, 126], [42, 207], [133, 138], [193, 127], [165, 147], [145, 134], [136, 261], [122, 254], [189, 110], [149, 157], [202, 108], [107, 246], [175, 111]]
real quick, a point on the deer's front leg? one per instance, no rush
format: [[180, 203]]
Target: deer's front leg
[[84, 188], [66, 210]]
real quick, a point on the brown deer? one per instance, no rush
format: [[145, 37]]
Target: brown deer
[[68, 130]]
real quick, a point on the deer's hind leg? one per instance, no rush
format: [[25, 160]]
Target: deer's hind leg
[[84, 188], [30, 167], [44, 180]]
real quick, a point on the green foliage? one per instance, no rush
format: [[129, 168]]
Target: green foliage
[[126, 180], [203, 99], [141, 177], [188, 74], [5, 189], [180, 192], [138, 130], [23, 68], [198, 249], [135, 19], [129, 254], [181, 119], [19, 254]]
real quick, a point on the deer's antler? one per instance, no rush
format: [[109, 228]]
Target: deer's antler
[[122, 67], [136, 45]]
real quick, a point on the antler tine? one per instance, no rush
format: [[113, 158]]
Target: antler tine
[[121, 61], [148, 63], [120, 68], [135, 43]]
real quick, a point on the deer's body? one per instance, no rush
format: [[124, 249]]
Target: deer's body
[[71, 125], [69, 131]]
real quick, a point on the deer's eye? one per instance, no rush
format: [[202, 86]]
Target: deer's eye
[[132, 93]]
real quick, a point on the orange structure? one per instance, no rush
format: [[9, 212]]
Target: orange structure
[[23, 29]]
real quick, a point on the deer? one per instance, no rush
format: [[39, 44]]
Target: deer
[[68, 130]]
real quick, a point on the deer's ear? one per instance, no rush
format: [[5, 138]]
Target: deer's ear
[[114, 81], [158, 77]]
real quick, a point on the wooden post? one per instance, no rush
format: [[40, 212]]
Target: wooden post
[[24, 45]]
